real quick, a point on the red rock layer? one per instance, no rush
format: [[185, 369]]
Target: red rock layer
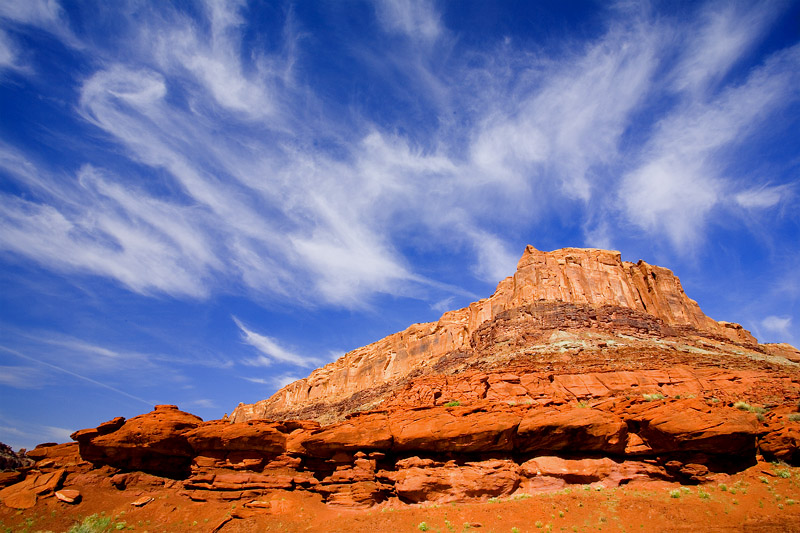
[[434, 454], [588, 277]]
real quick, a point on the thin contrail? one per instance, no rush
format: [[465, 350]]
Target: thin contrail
[[90, 380]]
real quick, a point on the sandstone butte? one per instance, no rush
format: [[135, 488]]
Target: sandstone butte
[[581, 368]]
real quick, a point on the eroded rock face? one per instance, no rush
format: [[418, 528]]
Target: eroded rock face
[[154, 442], [589, 279], [577, 430], [437, 453], [579, 369]]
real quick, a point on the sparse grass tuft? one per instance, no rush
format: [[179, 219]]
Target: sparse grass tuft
[[675, 493], [784, 473], [94, 524], [423, 526], [654, 396], [452, 403], [794, 417]]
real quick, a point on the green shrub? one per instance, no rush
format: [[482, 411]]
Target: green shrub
[[423, 526], [743, 406], [794, 417], [676, 493], [453, 403]]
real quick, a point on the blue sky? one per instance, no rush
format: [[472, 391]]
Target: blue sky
[[202, 201]]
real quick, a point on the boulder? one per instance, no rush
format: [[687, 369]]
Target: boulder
[[364, 432], [692, 426], [357, 495], [154, 442], [255, 436], [453, 429], [549, 472], [782, 444], [451, 482], [68, 496], [23, 495], [575, 429]]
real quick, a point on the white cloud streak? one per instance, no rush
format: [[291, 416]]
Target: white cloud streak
[[777, 324], [245, 201], [74, 374], [681, 176], [271, 351], [416, 19], [21, 377]]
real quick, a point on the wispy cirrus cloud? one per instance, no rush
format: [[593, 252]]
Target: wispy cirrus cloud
[[277, 382], [267, 186], [681, 175], [763, 196], [271, 351], [21, 377], [777, 324], [417, 19]]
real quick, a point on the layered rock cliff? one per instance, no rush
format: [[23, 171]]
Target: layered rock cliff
[[586, 277], [580, 369]]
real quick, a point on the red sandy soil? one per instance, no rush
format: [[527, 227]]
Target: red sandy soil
[[765, 497]]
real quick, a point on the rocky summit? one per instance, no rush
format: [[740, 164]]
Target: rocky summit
[[581, 369]]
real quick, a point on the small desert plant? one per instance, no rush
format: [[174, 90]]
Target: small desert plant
[[423, 526], [794, 417], [654, 396], [583, 404], [675, 493], [784, 473], [92, 524], [452, 403], [704, 495], [743, 406]]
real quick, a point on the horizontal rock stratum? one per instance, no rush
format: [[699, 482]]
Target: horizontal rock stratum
[[580, 369], [585, 277]]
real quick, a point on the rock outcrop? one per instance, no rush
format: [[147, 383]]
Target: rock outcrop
[[434, 454], [581, 368], [588, 279], [10, 460]]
